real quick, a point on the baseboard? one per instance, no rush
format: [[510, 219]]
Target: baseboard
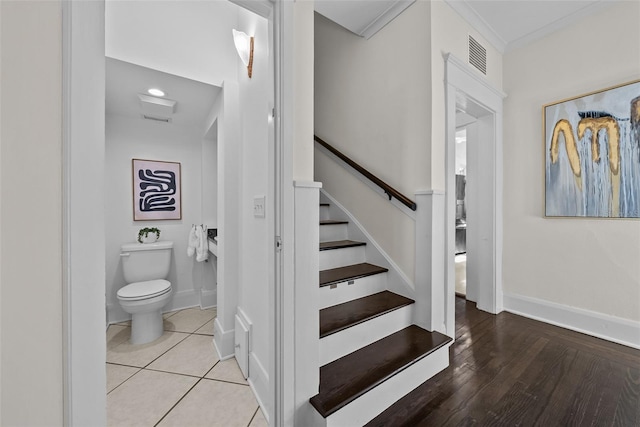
[[223, 341], [610, 328], [259, 383], [208, 298]]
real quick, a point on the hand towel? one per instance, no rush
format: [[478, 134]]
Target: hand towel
[[193, 241], [202, 249]]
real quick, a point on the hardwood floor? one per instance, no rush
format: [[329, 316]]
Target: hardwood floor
[[508, 370]]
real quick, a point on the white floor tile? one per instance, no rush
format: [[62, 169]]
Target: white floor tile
[[145, 398], [227, 370], [117, 374], [188, 320], [259, 420], [214, 404], [142, 354], [193, 356]]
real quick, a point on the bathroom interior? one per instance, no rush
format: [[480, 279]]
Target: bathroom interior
[[212, 119]]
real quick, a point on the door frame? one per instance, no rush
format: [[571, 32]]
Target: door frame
[[83, 260], [461, 81]]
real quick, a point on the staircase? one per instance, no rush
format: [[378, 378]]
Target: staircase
[[371, 353]]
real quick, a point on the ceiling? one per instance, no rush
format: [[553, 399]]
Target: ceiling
[[506, 24], [510, 24], [124, 81]]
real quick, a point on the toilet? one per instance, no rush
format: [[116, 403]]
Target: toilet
[[145, 267]]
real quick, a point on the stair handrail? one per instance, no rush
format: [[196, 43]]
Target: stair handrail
[[388, 190]]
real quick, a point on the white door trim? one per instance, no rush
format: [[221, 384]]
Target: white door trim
[[84, 319], [460, 79]]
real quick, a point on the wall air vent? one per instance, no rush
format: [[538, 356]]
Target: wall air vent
[[477, 55], [157, 119]]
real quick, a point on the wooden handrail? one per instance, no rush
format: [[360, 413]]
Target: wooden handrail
[[389, 190]]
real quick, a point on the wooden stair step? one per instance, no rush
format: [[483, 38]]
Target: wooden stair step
[[332, 222], [350, 272], [342, 316], [351, 376], [339, 244]]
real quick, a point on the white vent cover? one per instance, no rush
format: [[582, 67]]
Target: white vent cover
[[477, 55], [154, 108]]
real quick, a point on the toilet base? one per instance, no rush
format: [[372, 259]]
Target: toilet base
[[146, 327]]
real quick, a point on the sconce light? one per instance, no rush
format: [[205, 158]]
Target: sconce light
[[244, 46]]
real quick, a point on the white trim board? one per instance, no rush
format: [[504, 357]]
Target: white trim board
[[610, 328]]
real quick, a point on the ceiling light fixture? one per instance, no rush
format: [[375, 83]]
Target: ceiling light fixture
[[244, 46], [155, 92]]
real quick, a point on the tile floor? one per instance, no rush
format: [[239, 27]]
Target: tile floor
[[176, 380]]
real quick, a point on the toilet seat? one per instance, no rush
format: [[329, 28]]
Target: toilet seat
[[144, 290]]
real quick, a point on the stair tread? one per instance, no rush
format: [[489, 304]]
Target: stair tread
[[350, 272], [332, 222], [349, 377], [339, 244], [342, 316]]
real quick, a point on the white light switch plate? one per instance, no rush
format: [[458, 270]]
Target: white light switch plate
[[258, 207]]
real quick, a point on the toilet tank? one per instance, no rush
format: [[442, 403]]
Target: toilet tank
[[146, 261]]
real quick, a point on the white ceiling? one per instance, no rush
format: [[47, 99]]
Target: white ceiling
[[362, 17], [124, 81], [508, 24]]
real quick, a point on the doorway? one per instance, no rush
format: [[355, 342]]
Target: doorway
[[461, 208], [469, 93], [83, 122]]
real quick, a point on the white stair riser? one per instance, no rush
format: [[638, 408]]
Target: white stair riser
[[345, 292], [371, 404], [341, 343], [330, 233], [324, 213], [334, 258]]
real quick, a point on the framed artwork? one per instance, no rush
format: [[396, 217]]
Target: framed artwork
[[156, 190], [592, 154]]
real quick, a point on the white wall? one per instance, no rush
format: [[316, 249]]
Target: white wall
[[372, 102], [450, 34], [128, 138], [585, 263], [186, 38], [255, 244], [31, 213]]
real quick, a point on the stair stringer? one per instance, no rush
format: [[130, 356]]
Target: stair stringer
[[397, 280]]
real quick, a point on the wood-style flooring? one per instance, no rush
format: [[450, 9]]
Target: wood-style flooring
[[508, 370]]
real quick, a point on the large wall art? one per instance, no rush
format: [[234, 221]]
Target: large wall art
[[156, 190], [592, 154]]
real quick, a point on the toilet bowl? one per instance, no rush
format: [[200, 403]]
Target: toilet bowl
[[144, 301], [145, 267]]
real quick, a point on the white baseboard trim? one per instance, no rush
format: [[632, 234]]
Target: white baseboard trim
[[223, 341], [208, 298], [259, 382], [610, 328]]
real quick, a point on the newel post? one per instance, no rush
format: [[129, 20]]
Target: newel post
[[430, 260]]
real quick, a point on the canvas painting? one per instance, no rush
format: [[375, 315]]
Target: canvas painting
[[156, 190], [592, 154]]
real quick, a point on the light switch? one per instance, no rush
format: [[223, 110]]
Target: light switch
[[258, 207]]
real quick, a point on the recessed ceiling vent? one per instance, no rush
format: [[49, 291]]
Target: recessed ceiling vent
[[157, 119], [158, 109], [477, 55]]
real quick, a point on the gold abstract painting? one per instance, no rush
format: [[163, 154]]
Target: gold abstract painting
[[592, 154]]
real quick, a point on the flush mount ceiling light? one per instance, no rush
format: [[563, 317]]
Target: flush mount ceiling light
[[244, 46], [155, 92]]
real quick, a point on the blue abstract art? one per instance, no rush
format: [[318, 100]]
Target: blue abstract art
[[592, 154], [156, 190]]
